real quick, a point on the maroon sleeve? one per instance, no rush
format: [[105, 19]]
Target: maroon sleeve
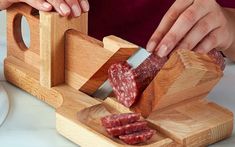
[[132, 21], [227, 3]]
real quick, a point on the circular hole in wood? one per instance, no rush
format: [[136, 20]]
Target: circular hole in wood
[[25, 30], [21, 31]]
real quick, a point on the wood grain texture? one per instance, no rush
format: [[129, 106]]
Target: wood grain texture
[[68, 123], [27, 78], [52, 45], [192, 123], [186, 75], [91, 117], [16, 46], [197, 123], [87, 61], [120, 52]]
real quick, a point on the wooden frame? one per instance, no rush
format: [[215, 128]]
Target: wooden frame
[[62, 68]]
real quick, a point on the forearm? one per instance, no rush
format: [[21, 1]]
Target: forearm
[[4, 4], [230, 52]]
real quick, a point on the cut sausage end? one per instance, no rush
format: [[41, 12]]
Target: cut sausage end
[[116, 120], [128, 129], [218, 58], [138, 137], [122, 80], [128, 84]]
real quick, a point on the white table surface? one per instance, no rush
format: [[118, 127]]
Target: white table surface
[[31, 123]]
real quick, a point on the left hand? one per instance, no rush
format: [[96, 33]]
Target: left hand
[[199, 25], [63, 7]]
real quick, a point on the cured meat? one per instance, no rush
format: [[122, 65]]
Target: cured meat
[[128, 129], [116, 120], [129, 83], [218, 58], [138, 137]]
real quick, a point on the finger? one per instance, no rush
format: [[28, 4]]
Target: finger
[[85, 5], [41, 5], [60, 6], [75, 7], [211, 41], [182, 25], [199, 31], [167, 21]]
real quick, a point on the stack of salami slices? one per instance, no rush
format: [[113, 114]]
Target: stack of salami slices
[[128, 127]]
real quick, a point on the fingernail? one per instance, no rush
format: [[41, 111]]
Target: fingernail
[[151, 46], [85, 5], [162, 51], [76, 10], [65, 9], [46, 5]]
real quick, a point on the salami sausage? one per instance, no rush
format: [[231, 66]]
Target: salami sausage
[[218, 58], [137, 137], [116, 120], [128, 129], [129, 83]]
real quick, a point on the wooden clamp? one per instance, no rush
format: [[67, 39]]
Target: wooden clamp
[[64, 66], [186, 76]]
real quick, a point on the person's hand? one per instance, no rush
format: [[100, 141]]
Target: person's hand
[[63, 7], [199, 25]]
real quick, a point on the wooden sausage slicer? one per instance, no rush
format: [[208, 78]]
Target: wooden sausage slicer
[[64, 66]]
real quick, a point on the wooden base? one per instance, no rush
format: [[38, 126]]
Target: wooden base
[[27, 78], [198, 123], [195, 123], [69, 125]]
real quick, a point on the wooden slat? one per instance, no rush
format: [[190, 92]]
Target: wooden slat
[[52, 45]]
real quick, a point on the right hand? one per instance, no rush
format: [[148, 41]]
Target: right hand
[[63, 7], [198, 25]]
